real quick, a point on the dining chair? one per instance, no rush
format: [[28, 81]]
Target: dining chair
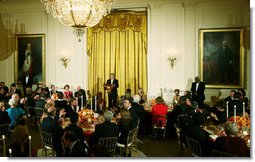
[[110, 143], [125, 149], [180, 142], [218, 153], [159, 124], [47, 144], [194, 146]]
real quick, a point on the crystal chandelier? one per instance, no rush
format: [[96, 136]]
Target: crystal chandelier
[[78, 13]]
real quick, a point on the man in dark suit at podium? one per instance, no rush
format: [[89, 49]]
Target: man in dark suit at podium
[[198, 89], [112, 94]]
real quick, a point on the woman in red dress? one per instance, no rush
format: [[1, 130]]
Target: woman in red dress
[[67, 93]]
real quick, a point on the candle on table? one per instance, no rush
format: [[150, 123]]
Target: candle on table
[[227, 109], [95, 103], [243, 108], [10, 152], [30, 146], [3, 137], [235, 113], [91, 104], [82, 101]]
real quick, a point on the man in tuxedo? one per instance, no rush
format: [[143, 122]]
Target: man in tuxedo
[[50, 125], [73, 147], [106, 129], [236, 102], [27, 81], [14, 89], [231, 96], [71, 108], [198, 89], [80, 93], [133, 114], [113, 94]]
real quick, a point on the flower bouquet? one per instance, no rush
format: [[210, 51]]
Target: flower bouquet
[[242, 121], [86, 118]]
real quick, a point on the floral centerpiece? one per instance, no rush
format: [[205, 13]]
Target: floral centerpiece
[[86, 118], [242, 121]]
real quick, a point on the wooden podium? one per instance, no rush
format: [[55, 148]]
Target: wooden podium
[[108, 88]]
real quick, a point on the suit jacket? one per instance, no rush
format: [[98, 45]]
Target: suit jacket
[[40, 103], [105, 129], [29, 82], [200, 91], [139, 109], [69, 111], [51, 125], [79, 150], [61, 104], [77, 130], [18, 92], [114, 91], [4, 117], [239, 107], [80, 93], [232, 145], [134, 117]]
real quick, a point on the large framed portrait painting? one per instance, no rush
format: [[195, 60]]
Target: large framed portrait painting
[[30, 57], [222, 57]]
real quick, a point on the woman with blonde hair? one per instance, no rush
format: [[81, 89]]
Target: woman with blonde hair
[[18, 142]]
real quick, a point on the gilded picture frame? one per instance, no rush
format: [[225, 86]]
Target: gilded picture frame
[[30, 57], [221, 57]]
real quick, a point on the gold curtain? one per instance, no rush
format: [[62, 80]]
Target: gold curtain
[[118, 44]]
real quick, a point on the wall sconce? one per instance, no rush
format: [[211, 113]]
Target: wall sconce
[[172, 59], [65, 60]]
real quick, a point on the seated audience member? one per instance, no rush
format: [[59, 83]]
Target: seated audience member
[[18, 142], [14, 112], [134, 117], [218, 114], [142, 96], [73, 147], [231, 143], [180, 108], [45, 90], [67, 93], [6, 89], [196, 132], [243, 98], [99, 150], [187, 94], [101, 103], [236, 102], [38, 91], [60, 102], [4, 117], [75, 128], [106, 129], [124, 124], [176, 97], [231, 96], [3, 96], [123, 97], [14, 89], [139, 109], [40, 101], [71, 109], [81, 93], [160, 108], [53, 92], [50, 125]]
